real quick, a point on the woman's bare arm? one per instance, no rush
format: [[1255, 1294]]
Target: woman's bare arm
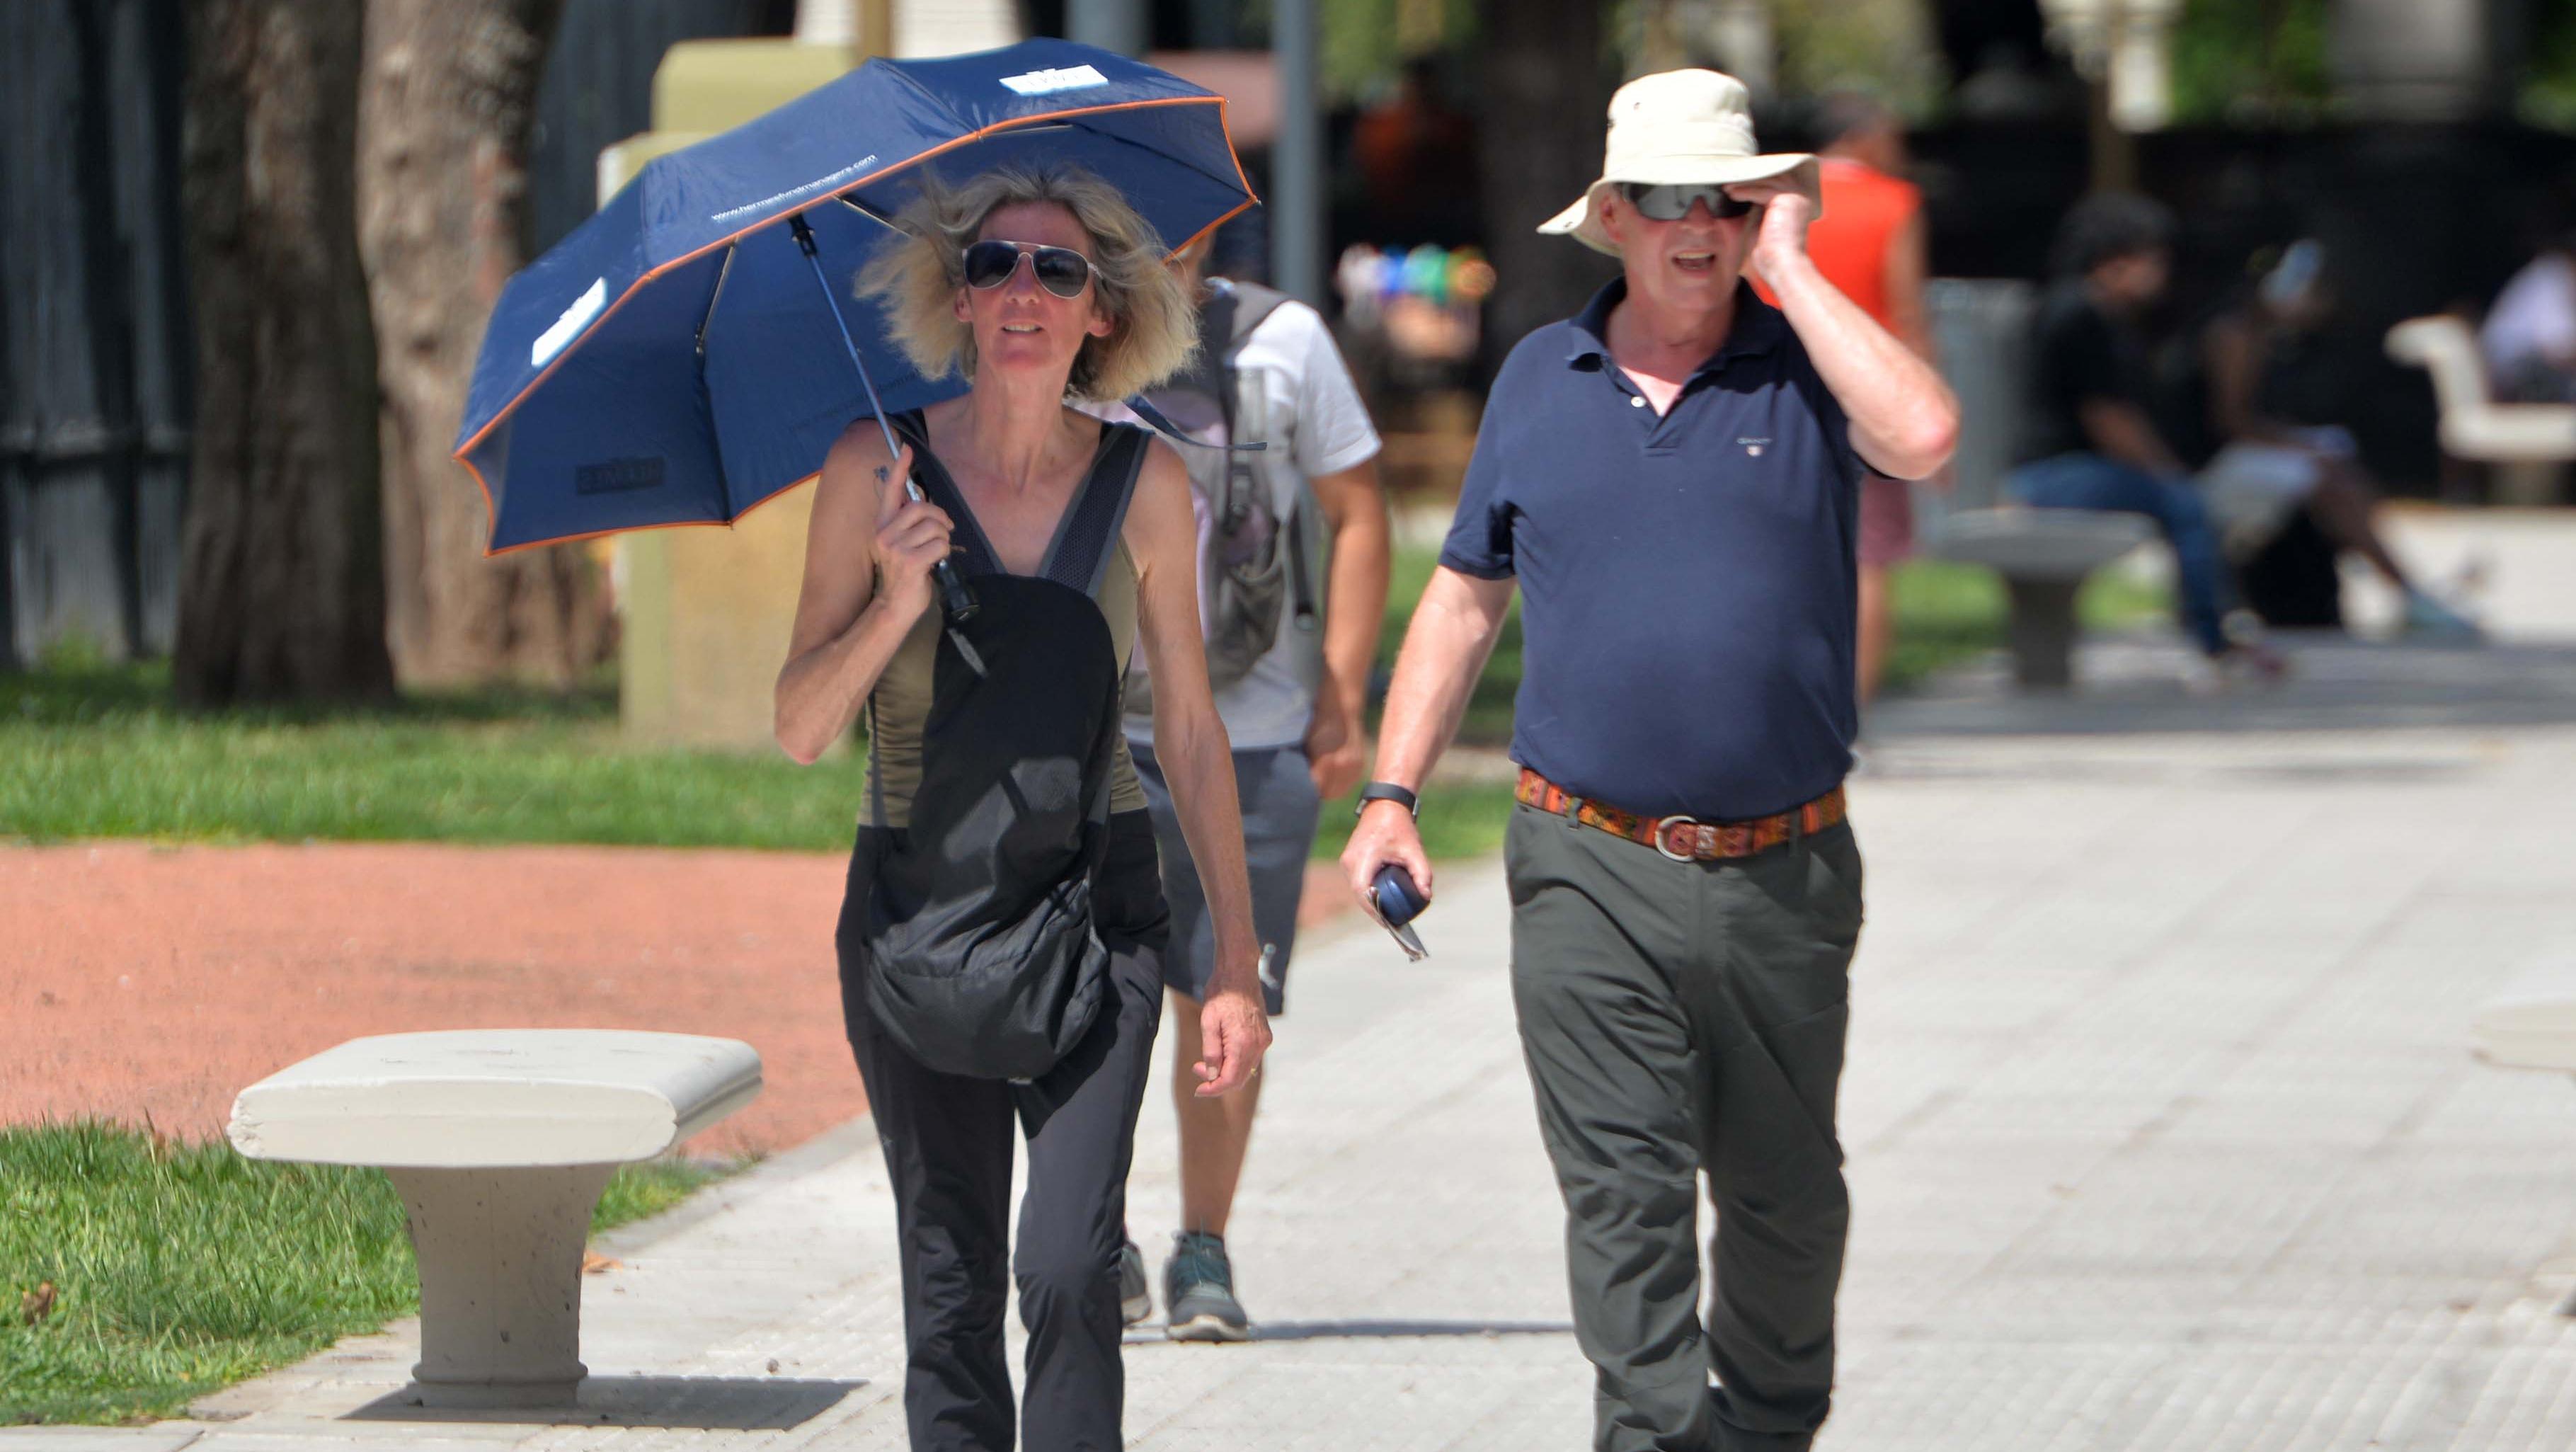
[[1190, 743], [868, 553]]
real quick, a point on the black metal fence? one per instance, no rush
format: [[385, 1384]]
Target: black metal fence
[[94, 364]]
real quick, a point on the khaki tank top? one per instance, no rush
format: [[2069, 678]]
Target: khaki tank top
[[902, 700]]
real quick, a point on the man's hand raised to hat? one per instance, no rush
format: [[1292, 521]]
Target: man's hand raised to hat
[[1904, 419], [1786, 212]]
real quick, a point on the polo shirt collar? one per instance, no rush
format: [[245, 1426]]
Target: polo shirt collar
[[1757, 329]]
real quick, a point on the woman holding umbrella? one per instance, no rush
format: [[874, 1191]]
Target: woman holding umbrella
[[1041, 286]]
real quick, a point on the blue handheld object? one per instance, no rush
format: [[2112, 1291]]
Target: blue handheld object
[[1398, 900], [1398, 903]]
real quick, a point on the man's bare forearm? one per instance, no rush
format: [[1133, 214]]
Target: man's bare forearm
[[1445, 649], [1904, 419]]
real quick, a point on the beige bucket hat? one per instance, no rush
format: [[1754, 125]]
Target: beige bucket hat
[[1678, 127]]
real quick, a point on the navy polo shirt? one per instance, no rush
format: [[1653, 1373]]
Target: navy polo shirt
[[1689, 583]]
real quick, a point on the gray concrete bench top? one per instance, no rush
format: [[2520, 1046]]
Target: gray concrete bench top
[[2532, 1023], [2064, 544], [499, 1142], [496, 1098], [2043, 556]]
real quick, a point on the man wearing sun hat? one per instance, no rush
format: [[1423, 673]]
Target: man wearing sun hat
[[1671, 477]]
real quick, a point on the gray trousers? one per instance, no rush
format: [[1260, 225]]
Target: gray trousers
[[1681, 1018], [1276, 790]]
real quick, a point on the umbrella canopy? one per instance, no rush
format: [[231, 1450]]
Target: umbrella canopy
[[674, 361]]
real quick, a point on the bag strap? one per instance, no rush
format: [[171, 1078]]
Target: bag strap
[[1080, 556], [1248, 305], [1252, 303], [1226, 324], [941, 489]]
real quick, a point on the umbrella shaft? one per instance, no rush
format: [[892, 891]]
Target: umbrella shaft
[[953, 594]]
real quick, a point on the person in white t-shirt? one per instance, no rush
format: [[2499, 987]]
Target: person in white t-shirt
[[1294, 714], [2530, 334]]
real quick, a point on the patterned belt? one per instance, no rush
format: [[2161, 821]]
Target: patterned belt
[[1683, 838]]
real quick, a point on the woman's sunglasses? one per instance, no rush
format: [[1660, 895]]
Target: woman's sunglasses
[[1060, 270], [1672, 203]]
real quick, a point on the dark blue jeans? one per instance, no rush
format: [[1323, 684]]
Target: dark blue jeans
[[2090, 481]]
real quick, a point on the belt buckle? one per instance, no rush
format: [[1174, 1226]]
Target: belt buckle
[[1663, 829]]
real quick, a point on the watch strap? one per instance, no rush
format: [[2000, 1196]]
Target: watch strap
[[1387, 791]]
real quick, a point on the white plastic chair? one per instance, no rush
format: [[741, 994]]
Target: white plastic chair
[[2474, 425]]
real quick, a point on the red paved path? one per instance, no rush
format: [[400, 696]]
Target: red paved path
[[136, 979]]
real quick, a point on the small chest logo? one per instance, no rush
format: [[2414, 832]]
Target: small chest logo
[[1754, 447]]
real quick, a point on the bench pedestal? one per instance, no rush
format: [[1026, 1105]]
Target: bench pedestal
[[2042, 630], [500, 1281], [2043, 556]]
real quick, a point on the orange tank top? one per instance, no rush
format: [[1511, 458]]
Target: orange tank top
[[1864, 210]]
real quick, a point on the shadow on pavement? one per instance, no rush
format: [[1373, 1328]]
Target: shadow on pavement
[[1377, 1330], [698, 1403]]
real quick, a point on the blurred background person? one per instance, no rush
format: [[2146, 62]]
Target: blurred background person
[[2091, 441], [2529, 336], [1293, 567], [2272, 398]]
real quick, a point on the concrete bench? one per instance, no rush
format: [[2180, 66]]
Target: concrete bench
[[499, 1142], [1982, 329], [2043, 556], [2532, 1023]]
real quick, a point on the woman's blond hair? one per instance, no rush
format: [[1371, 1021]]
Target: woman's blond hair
[[1153, 328]]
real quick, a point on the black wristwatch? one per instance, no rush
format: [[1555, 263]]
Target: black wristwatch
[[1387, 791]]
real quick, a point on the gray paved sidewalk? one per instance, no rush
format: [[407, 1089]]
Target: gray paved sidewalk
[[2162, 1125]]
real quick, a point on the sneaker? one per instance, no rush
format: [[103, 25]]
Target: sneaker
[[1198, 1291], [2433, 620], [2255, 664], [1135, 1294]]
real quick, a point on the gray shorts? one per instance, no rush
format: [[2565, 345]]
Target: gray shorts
[[1277, 792]]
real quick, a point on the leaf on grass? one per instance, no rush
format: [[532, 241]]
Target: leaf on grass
[[34, 1306], [595, 1264]]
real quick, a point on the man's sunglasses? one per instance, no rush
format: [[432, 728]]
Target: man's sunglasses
[[1672, 203], [1060, 270]]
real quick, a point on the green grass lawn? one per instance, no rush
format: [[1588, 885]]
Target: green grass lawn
[[93, 751], [180, 1270]]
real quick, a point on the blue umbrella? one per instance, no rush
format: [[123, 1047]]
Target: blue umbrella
[[685, 355]]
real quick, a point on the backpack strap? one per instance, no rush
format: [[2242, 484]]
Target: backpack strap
[[1079, 557], [941, 489], [1252, 303], [1248, 304]]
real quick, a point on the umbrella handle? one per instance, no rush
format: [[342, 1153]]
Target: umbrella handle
[[954, 596]]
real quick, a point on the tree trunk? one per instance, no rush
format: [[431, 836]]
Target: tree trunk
[[446, 105], [1545, 100], [281, 580]]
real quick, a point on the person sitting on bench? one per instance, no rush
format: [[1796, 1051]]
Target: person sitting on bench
[[2092, 444]]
